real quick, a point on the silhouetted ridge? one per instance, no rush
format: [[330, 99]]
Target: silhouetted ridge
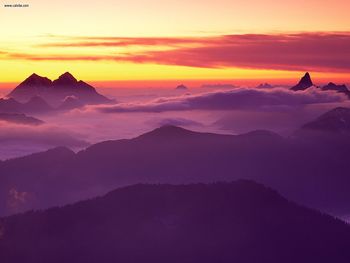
[[54, 92], [54, 154], [230, 222], [336, 120], [339, 88], [168, 131], [304, 83], [36, 80], [308, 170]]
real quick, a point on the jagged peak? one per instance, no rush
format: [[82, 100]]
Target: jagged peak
[[67, 74], [304, 83], [35, 79], [65, 79]]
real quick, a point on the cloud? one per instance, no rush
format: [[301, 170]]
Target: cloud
[[48, 135], [240, 98], [127, 41], [303, 51]]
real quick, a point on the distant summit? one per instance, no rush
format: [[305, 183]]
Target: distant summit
[[304, 83], [20, 119], [181, 87], [334, 121], [264, 86], [55, 92], [338, 88], [168, 132]]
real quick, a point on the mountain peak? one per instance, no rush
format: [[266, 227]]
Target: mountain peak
[[304, 83], [264, 86], [181, 87], [65, 79], [336, 120], [67, 75], [36, 80], [335, 87], [167, 131]]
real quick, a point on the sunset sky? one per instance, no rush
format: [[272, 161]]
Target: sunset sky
[[171, 40]]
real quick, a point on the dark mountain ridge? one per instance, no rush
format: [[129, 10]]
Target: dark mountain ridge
[[310, 170], [226, 222], [334, 121], [306, 82]]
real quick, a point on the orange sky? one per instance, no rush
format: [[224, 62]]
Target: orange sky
[[84, 37]]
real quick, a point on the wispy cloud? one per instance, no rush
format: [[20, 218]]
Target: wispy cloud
[[302, 51], [49, 135]]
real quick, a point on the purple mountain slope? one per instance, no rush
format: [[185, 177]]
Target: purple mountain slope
[[335, 122], [35, 105], [10, 105], [298, 167], [230, 222]]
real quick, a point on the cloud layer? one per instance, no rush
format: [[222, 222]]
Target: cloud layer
[[18, 139], [236, 99]]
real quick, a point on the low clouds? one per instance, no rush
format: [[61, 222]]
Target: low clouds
[[18, 140], [236, 110], [236, 99], [304, 51], [45, 134]]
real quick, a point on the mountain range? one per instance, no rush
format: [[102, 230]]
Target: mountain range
[[307, 168], [56, 91], [306, 83], [240, 221]]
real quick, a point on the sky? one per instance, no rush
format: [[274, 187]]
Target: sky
[[167, 41]]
